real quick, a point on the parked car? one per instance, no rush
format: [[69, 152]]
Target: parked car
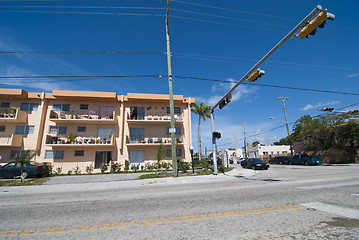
[[254, 163], [13, 169], [279, 160], [304, 159], [239, 160]]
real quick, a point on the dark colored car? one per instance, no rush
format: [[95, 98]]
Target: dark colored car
[[13, 169], [254, 163], [279, 160]]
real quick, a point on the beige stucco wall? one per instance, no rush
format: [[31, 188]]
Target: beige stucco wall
[[155, 104]]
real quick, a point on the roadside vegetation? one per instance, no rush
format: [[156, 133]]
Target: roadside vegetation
[[16, 182], [325, 134]]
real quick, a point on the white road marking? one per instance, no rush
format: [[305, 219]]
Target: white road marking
[[332, 185], [330, 208]]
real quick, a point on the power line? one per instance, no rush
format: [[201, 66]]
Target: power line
[[175, 76], [77, 76], [234, 10], [86, 7], [266, 85], [225, 17], [92, 13], [228, 24], [292, 123], [218, 58], [86, 52]]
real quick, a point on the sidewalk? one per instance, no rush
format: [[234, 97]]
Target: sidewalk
[[114, 181]]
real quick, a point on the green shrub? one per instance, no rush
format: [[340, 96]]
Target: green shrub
[[89, 169], [135, 167], [127, 165], [58, 170], [204, 163], [77, 170], [103, 168], [183, 166], [116, 167]]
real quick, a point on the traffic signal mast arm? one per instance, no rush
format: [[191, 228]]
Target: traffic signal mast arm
[[302, 24]]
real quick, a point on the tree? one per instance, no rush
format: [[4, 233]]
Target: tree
[[161, 154], [348, 138], [24, 159], [203, 111], [328, 131]]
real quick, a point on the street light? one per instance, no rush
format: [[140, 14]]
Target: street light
[[191, 150]]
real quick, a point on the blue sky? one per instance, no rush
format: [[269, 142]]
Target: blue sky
[[210, 39]]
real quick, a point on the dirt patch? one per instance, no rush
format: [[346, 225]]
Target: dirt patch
[[344, 222]]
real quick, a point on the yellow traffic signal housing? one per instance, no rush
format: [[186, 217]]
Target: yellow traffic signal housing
[[311, 27], [254, 76]]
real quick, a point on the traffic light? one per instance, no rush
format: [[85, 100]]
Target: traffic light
[[216, 135], [225, 101], [318, 21], [327, 109], [257, 74]]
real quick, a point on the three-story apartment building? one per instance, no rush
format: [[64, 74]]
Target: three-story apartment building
[[88, 129]]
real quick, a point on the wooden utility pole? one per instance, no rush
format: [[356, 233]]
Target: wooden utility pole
[[286, 123], [173, 128]]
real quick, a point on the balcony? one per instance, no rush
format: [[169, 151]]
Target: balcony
[[13, 116], [154, 141], [55, 141], [90, 117], [155, 119], [11, 141]]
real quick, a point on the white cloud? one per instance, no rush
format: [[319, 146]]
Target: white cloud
[[353, 75], [237, 94], [16, 71], [311, 106], [25, 64]]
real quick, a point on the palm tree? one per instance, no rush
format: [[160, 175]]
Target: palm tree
[[24, 159], [203, 111]]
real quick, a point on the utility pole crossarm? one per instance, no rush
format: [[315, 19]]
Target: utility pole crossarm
[[275, 48]]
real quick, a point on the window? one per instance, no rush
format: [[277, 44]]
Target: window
[[24, 130], [137, 134], [105, 133], [137, 156], [29, 106], [106, 111], [84, 106], [2, 128], [178, 131], [54, 154], [137, 113], [178, 152], [81, 129], [102, 158], [57, 130], [177, 110], [17, 152], [5, 105], [61, 107], [79, 153]]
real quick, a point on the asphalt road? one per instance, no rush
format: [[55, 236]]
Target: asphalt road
[[285, 202]]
